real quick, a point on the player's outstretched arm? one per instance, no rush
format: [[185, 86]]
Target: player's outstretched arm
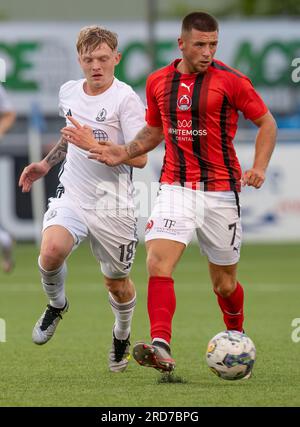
[[35, 171], [82, 137], [264, 146], [112, 154]]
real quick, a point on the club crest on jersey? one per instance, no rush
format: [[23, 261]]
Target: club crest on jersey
[[184, 102], [101, 116]]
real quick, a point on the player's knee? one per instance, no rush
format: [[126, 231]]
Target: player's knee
[[52, 256], [117, 287], [158, 266], [224, 288]]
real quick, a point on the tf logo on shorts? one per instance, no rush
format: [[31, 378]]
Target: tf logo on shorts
[[149, 225], [169, 223]]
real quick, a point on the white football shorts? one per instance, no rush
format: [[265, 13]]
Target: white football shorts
[[112, 235], [214, 215]]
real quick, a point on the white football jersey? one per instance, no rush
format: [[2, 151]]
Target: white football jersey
[[115, 115]]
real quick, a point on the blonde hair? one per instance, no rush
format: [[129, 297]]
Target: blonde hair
[[91, 37]]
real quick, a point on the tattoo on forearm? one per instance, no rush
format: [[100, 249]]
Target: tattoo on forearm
[[58, 153], [144, 134], [144, 141], [134, 149]]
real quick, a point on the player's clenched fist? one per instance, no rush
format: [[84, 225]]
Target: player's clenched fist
[[253, 177]]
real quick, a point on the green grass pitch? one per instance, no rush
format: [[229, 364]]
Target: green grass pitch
[[71, 370]]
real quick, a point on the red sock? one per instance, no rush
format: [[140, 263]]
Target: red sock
[[233, 308], [161, 306]]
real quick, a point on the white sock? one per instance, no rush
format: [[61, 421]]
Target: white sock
[[53, 284], [123, 316]]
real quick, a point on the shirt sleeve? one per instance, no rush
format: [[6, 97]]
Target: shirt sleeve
[[153, 116], [5, 103], [248, 101], [132, 116]]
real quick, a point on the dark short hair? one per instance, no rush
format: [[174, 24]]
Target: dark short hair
[[200, 21]]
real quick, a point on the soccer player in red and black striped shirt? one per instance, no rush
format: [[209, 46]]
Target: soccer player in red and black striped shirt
[[193, 104]]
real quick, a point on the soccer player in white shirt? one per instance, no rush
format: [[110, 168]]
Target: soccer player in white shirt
[[93, 200], [7, 119]]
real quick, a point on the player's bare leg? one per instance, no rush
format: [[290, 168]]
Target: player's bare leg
[[162, 257], [122, 299], [57, 243]]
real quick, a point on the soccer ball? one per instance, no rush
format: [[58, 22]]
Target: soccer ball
[[231, 355]]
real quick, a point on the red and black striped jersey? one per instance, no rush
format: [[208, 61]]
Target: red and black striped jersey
[[199, 115]]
